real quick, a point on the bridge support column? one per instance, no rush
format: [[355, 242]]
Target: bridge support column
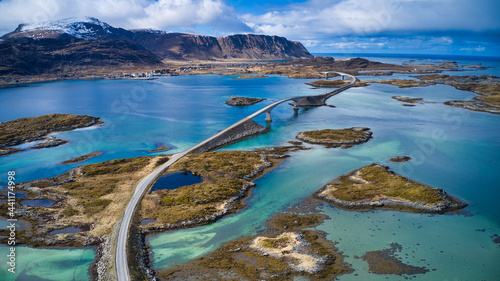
[[268, 116], [342, 77]]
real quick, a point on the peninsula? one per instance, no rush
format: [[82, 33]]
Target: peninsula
[[37, 129]]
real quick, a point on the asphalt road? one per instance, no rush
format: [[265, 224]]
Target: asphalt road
[[121, 261]]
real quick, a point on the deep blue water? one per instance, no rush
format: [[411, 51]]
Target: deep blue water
[[452, 148], [175, 180]]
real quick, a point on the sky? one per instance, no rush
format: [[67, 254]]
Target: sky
[[444, 27]]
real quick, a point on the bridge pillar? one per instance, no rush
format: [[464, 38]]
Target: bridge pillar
[[326, 76], [342, 77], [268, 116]]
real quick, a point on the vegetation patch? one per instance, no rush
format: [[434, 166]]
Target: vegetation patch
[[336, 137], [375, 186]]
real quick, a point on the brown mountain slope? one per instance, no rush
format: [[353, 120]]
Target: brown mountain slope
[[68, 56]]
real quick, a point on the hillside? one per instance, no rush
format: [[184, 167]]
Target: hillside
[[71, 56], [181, 46], [76, 45]]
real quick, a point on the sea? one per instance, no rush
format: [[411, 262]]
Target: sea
[[451, 148]]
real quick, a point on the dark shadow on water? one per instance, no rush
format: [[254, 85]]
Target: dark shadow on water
[[65, 230], [146, 221], [175, 180]]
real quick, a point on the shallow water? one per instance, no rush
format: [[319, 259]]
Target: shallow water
[[452, 148]]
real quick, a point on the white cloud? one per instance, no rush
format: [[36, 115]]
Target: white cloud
[[163, 14], [326, 18]]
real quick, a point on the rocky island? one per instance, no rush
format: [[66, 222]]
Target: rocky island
[[400, 158], [376, 187], [336, 138], [37, 129], [242, 101], [407, 99]]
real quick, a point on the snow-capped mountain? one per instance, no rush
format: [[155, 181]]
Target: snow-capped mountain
[[82, 28]]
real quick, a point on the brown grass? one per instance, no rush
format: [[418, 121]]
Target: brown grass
[[95, 193], [379, 181]]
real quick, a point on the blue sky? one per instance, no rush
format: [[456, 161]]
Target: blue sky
[[462, 27]]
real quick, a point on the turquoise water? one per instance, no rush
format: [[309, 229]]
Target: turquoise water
[[451, 148]]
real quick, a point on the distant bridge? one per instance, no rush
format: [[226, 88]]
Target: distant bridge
[[121, 261]]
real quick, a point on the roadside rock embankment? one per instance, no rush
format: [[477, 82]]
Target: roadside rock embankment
[[247, 129]]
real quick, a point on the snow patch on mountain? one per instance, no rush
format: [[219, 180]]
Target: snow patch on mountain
[[83, 28]]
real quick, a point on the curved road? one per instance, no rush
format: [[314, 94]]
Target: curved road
[[121, 261]]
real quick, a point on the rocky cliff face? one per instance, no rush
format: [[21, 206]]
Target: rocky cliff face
[[261, 47], [181, 46]]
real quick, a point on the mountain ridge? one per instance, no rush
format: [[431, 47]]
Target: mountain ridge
[[164, 46]]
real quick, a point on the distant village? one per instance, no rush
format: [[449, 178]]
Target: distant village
[[153, 74]]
